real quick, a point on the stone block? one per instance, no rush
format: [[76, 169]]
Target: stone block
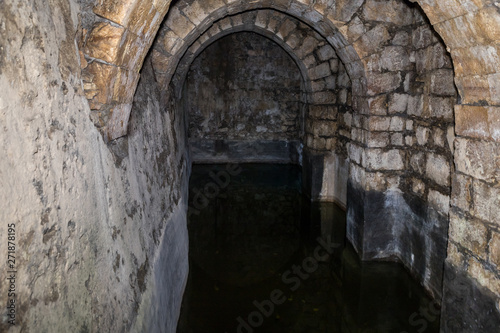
[[101, 78], [486, 278], [210, 6], [474, 89], [317, 111], [179, 23], [487, 21], [469, 233], [132, 52], [402, 38], [478, 159], [345, 9], [494, 245], [238, 21], [478, 122], [390, 11], [378, 139], [320, 71], [357, 120], [438, 169], [431, 58], [418, 186], [348, 119], [170, 42], [375, 123], [378, 105], [476, 60], [395, 58], [381, 83], [331, 82], [318, 143], [286, 28], [162, 5], [409, 125], [438, 137], [115, 11], [324, 128], [494, 87], [442, 82], [124, 86], [326, 52], [372, 63], [439, 11], [461, 26], [486, 202], [322, 6], [358, 135], [423, 37], [397, 124], [104, 42], [377, 159], [439, 201], [324, 97], [262, 18], [161, 62], [355, 153], [450, 138], [398, 103], [415, 105], [418, 162], [355, 29], [343, 79], [397, 139], [376, 181], [344, 97], [318, 85], [372, 41], [422, 135], [309, 61], [307, 46], [226, 24], [144, 18], [454, 255], [293, 41], [118, 121]]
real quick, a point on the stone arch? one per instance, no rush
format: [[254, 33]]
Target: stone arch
[[471, 31], [317, 60], [112, 56], [110, 89], [207, 39], [177, 41], [360, 32]]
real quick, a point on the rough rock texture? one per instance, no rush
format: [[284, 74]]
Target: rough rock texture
[[71, 193], [100, 230], [243, 88]]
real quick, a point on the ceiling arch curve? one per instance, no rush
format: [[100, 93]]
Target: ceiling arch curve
[[115, 48], [307, 57]]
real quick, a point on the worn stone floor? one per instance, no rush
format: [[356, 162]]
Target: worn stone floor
[[260, 241]]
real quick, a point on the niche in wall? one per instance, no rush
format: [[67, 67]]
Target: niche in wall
[[243, 99]]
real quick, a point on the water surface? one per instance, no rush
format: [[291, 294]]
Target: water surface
[[264, 259]]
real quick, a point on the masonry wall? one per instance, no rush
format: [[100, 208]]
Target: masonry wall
[[242, 93], [401, 149], [100, 235]]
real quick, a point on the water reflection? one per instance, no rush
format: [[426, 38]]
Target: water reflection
[[263, 259]]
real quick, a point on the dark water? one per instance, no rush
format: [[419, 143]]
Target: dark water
[[264, 259]]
